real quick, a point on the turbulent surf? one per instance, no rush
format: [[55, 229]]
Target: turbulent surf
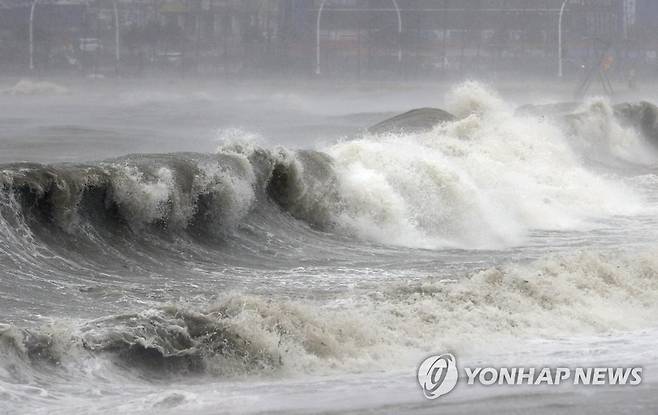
[[356, 256]]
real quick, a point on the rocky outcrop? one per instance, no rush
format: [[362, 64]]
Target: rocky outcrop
[[417, 120]]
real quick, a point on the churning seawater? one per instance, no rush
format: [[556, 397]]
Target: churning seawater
[[254, 276]]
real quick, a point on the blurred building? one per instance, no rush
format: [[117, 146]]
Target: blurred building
[[373, 38]]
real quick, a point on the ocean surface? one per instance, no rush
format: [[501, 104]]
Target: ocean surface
[[208, 248]]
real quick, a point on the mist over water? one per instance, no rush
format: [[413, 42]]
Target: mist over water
[[163, 249]]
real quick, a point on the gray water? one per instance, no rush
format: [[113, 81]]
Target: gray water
[[236, 248]]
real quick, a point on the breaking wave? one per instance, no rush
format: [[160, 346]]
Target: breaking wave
[[188, 240], [241, 334], [483, 180], [602, 135]]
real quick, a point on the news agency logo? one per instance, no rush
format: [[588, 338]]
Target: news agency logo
[[438, 375]]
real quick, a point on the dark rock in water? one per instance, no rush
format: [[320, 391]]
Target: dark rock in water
[[418, 120], [641, 115]]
